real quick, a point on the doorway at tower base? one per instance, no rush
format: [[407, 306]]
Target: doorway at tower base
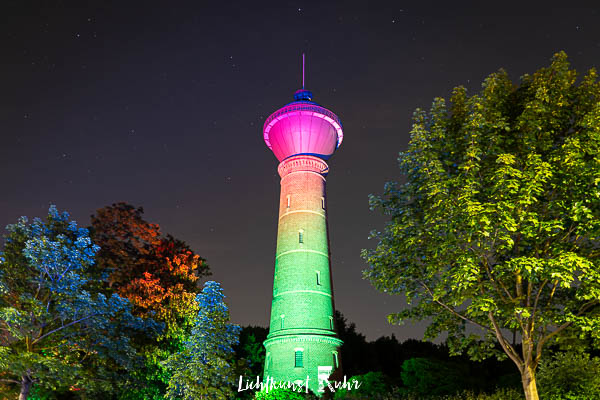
[[306, 358], [324, 373]]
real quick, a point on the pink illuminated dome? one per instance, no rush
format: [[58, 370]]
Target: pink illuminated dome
[[303, 127]]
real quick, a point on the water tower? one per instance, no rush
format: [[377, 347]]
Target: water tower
[[302, 340]]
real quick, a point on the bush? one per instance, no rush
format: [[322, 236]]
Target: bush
[[372, 386], [425, 376], [283, 394], [568, 376], [500, 394]]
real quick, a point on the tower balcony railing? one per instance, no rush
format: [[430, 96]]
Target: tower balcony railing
[[303, 107]]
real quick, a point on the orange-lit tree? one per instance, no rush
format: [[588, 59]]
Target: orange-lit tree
[[159, 274]]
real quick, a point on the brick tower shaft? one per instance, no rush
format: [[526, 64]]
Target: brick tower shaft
[[302, 340]]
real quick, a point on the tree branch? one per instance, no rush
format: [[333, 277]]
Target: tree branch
[[508, 349], [63, 327], [537, 297], [452, 310], [552, 292], [495, 282], [540, 344]]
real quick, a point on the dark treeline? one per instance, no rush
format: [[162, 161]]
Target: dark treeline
[[387, 355]]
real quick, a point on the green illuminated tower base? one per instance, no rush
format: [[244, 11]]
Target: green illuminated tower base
[[302, 340]]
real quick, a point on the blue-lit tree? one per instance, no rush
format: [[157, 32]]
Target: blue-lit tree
[[204, 368], [53, 330]]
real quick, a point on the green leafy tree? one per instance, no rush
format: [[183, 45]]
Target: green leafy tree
[[55, 333], [204, 368], [498, 222]]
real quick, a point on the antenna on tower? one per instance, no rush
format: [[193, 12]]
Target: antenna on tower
[[303, 94], [303, 63]]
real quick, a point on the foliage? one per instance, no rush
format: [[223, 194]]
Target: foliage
[[498, 223], [250, 356], [159, 275], [500, 394], [398, 394], [54, 332], [372, 385], [250, 348], [570, 376], [387, 354], [203, 368], [355, 352], [384, 354], [430, 376], [282, 394]]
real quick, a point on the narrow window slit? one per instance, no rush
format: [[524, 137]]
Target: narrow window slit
[[299, 359]]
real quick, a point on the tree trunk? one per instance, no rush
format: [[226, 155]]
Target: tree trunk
[[529, 385], [26, 383]]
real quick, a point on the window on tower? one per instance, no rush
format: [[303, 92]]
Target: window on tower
[[323, 203], [318, 278], [331, 322], [282, 319], [300, 236], [335, 360], [299, 358], [289, 200]]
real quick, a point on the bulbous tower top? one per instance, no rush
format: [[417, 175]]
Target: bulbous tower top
[[303, 127]]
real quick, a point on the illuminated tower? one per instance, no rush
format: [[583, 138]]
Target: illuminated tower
[[302, 339]]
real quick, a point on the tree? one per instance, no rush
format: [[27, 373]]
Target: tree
[[497, 225], [204, 369], [355, 352], [51, 326], [159, 275], [250, 356], [250, 349]]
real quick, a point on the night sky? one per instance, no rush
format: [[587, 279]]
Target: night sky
[[162, 105]]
